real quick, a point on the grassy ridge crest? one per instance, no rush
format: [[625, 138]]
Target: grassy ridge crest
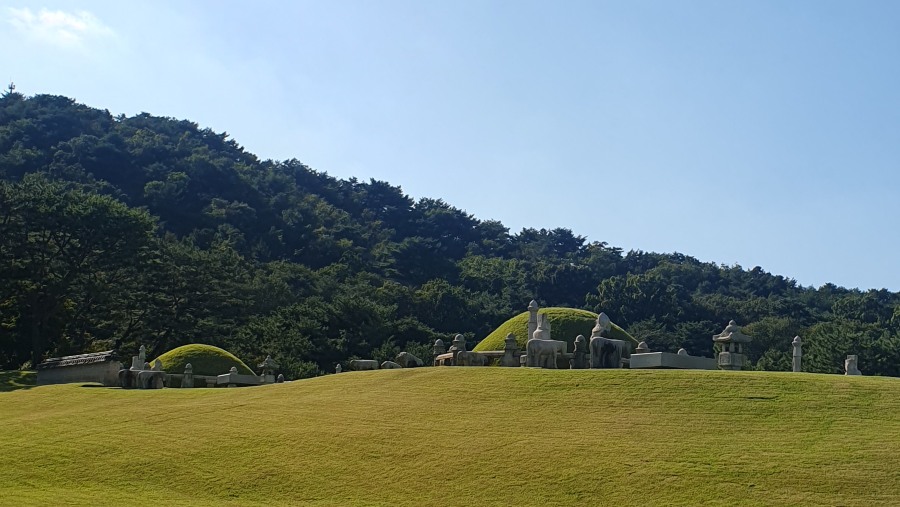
[[462, 437]]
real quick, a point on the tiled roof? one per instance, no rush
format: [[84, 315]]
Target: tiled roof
[[81, 359]]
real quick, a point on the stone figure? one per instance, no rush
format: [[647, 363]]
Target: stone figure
[[363, 364], [850, 366], [602, 327], [797, 355], [338, 368], [137, 362], [581, 356], [468, 358], [407, 360], [390, 365], [279, 379], [187, 380], [642, 348], [438, 349]]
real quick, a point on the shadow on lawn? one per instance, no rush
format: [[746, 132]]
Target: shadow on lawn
[[15, 380]]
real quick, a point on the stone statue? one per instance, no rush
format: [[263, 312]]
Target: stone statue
[[797, 355], [187, 380], [606, 352], [338, 368], [279, 379], [850, 367], [580, 357]]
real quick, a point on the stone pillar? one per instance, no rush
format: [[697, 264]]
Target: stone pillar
[[798, 354], [459, 345], [532, 319], [438, 349], [510, 352]]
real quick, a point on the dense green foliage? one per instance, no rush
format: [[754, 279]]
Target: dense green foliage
[[565, 325], [452, 437], [120, 231], [204, 360]]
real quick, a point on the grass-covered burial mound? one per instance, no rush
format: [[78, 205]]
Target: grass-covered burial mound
[[205, 360], [565, 325]]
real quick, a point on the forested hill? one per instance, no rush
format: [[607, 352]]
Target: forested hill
[[117, 231]]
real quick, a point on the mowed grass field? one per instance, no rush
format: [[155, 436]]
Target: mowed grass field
[[461, 437]]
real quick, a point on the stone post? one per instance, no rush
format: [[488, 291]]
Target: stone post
[[580, 359], [798, 354], [459, 345], [438, 349], [510, 352], [532, 319]]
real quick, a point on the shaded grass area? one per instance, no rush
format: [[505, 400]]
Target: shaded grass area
[[462, 437], [14, 379]]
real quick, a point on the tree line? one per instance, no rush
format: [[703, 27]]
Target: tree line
[[118, 231]]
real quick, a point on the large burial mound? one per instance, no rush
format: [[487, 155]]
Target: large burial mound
[[461, 437], [204, 359], [565, 325]]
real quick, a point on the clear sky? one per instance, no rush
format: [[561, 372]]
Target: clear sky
[[750, 132]]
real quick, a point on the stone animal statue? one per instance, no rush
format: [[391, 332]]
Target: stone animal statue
[[363, 364], [608, 353], [150, 379], [543, 353], [468, 358], [407, 360], [390, 365]]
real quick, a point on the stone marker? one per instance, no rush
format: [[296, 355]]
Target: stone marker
[[338, 368], [797, 354], [187, 380], [850, 367], [581, 356]]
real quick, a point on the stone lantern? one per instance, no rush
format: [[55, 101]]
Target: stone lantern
[[732, 340]]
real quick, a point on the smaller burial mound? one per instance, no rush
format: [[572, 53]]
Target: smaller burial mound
[[565, 325], [205, 360]]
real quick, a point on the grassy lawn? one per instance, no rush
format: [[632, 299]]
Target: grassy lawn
[[462, 437], [13, 380]]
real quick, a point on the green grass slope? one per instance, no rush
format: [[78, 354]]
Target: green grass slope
[[461, 437], [14, 380], [204, 359], [565, 325]]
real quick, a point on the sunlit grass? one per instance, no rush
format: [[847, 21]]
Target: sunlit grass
[[461, 437]]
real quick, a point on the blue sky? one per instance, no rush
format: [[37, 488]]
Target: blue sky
[[739, 132]]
